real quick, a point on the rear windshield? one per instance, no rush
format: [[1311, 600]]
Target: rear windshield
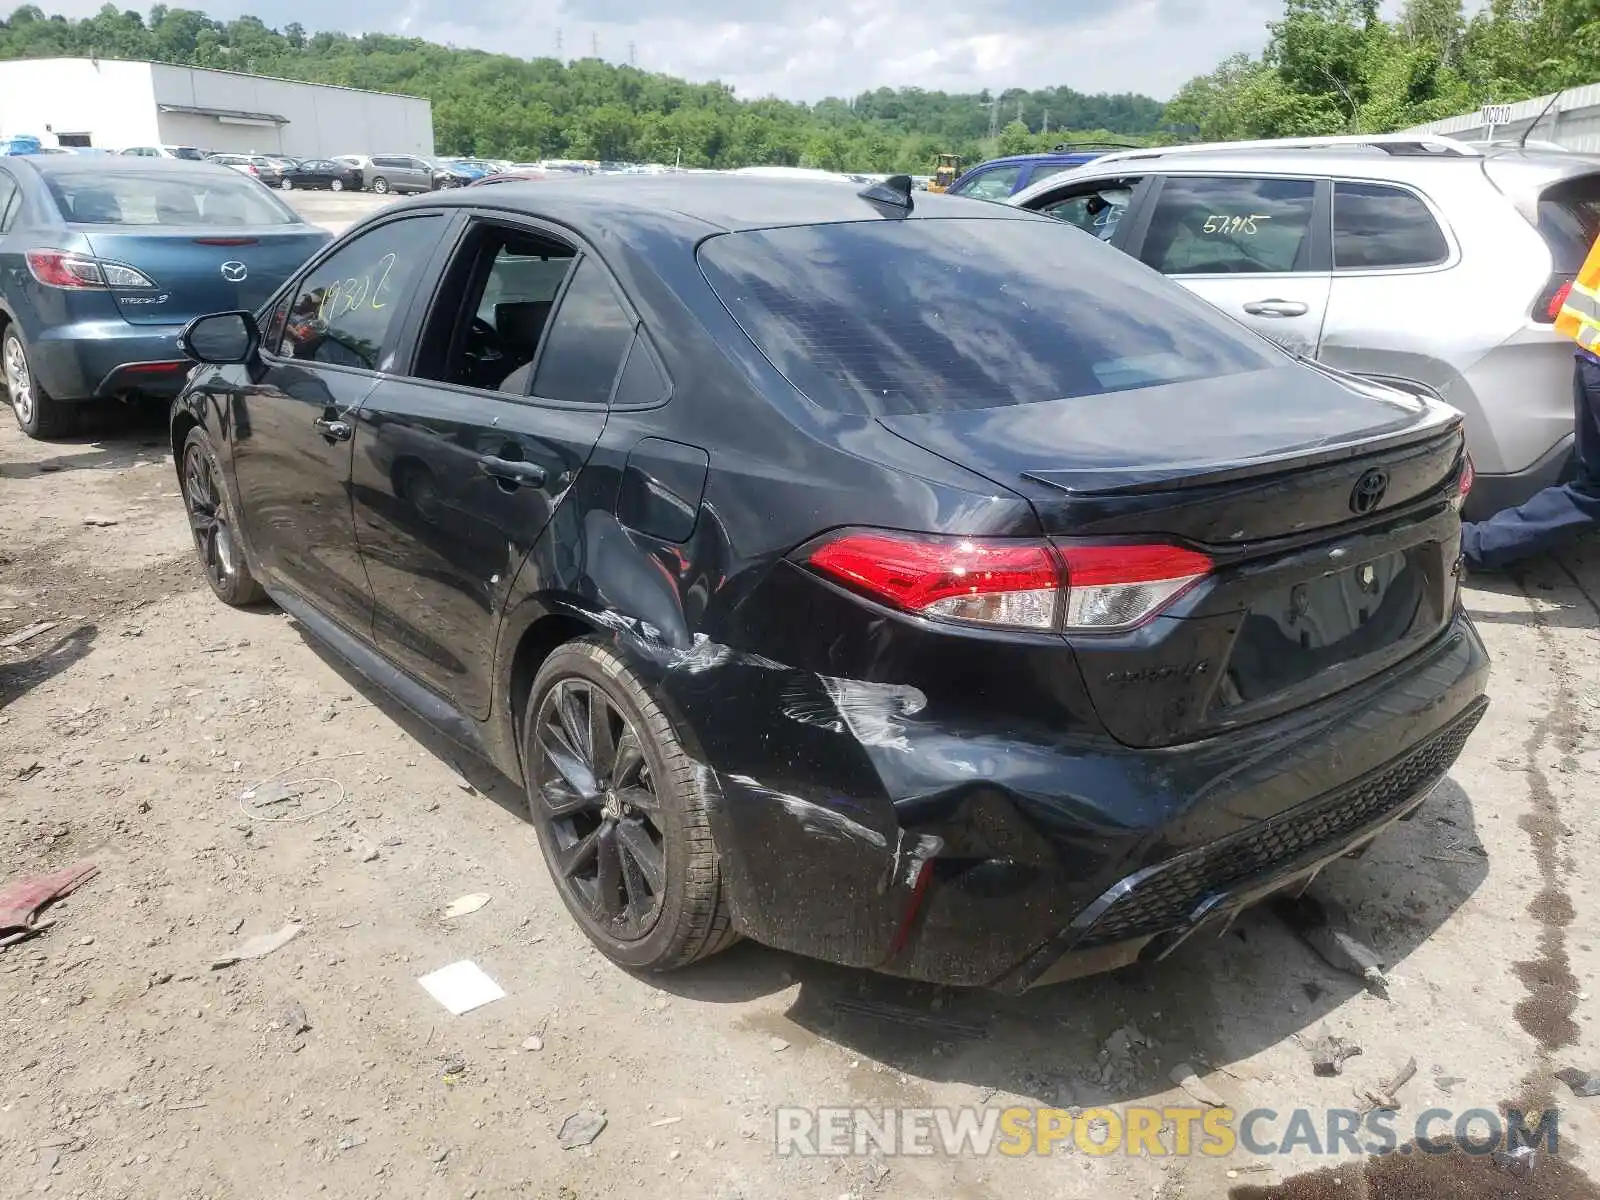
[[104, 197], [889, 317], [1569, 220], [188, 152]]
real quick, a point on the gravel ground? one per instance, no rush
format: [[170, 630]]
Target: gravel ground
[[131, 728]]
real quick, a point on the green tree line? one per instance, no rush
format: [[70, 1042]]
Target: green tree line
[[1338, 67], [503, 107]]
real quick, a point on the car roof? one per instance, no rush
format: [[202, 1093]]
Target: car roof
[[1365, 162], [702, 203], [1042, 156]]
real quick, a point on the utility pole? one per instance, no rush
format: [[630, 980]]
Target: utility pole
[[633, 59], [994, 118], [1019, 110], [594, 45], [1046, 127], [559, 54]]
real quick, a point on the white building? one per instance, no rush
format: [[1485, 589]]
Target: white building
[[1572, 121], [112, 104]]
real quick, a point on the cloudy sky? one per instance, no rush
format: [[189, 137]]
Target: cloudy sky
[[804, 50]]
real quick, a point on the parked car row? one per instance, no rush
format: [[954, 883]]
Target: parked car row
[[990, 649]]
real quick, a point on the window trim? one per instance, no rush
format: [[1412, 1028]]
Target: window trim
[[1452, 246], [525, 223], [12, 208], [393, 337], [641, 337], [1315, 256]]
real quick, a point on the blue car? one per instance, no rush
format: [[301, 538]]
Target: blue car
[[1001, 177], [104, 261]]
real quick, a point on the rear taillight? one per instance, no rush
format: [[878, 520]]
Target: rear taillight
[[1548, 307], [79, 272], [1113, 587], [1465, 480], [1013, 584]]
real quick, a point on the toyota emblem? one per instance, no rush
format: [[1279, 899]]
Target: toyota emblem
[[1369, 491], [235, 272]]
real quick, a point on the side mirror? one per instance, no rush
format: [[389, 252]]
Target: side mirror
[[221, 338]]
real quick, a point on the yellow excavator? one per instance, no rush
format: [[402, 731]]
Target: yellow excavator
[[946, 173]]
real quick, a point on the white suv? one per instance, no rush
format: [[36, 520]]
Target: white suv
[[1418, 260]]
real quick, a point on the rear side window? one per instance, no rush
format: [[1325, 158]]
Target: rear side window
[[1569, 221], [914, 316], [201, 198], [587, 339], [1229, 225], [991, 185], [1379, 226]]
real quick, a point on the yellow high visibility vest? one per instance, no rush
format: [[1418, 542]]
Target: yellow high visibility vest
[[1580, 311]]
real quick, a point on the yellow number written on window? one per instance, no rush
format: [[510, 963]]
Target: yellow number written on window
[[347, 295]]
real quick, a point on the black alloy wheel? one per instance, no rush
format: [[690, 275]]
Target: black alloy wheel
[[598, 811], [211, 522]]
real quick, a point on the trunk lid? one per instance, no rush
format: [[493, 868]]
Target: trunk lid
[[1312, 589], [201, 270]]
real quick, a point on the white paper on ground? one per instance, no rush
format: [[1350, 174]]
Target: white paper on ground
[[462, 987]]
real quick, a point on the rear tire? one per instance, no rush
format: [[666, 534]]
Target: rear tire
[[38, 415], [659, 904], [286, 185], [336, 185], [381, 186], [215, 525]]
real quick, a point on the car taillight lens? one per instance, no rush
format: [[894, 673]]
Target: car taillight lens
[[1465, 481], [1548, 307], [1010, 583], [1113, 587], [59, 269]]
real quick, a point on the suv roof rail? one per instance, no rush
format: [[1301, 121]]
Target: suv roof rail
[[1070, 147], [1389, 143]]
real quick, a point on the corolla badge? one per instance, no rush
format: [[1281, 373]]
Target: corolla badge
[[235, 272]]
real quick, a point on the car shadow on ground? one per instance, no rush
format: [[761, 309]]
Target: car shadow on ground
[[57, 652], [110, 437], [1567, 583], [1215, 1001]]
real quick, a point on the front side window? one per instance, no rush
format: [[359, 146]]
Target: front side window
[[1377, 226], [344, 309], [898, 317], [1096, 209], [991, 185], [1229, 225]]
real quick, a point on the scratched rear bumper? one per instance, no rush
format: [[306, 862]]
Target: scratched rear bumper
[[1048, 859]]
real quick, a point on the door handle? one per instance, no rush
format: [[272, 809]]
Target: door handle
[[1277, 308], [512, 471], [338, 431]]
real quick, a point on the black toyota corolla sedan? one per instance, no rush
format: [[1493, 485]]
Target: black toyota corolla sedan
[[907, 581]]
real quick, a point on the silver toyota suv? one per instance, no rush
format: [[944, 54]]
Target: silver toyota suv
[[1430, 263]]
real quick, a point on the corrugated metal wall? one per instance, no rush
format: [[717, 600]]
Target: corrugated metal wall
[[1573, 121]]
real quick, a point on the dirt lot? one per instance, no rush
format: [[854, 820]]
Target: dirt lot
[[130, 730]]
